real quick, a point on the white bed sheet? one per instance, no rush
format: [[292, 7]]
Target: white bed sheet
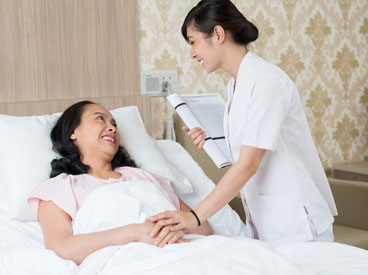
[[14, 233], [22, 252]]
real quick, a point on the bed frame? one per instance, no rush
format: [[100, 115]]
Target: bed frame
[[53, 106]]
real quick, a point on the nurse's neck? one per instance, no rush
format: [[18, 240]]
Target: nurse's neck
[[234, 54]]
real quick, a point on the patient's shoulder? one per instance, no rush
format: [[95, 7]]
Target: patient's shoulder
[[64, 178], [134, 173], [61, 178], [58, 190]]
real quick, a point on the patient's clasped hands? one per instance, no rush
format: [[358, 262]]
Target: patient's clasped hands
[[170, 226], [152, 233]]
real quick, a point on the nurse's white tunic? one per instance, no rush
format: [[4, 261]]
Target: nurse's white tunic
[[264, 111]]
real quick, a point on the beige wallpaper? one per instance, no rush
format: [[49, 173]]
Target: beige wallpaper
[[321, 44]]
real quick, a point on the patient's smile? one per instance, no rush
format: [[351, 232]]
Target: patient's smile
[[109, 139]]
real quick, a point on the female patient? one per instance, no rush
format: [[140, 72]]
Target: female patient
[[86, 137]]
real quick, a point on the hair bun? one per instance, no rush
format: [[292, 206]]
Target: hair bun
[[247, 34]]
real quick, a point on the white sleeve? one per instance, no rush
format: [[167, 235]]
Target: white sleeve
[[267, 110]]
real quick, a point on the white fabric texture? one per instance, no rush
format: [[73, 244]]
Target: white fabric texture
[[143, 149], [119, 204], [26, 153]]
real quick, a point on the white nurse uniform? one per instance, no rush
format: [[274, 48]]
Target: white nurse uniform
[[289, 190]]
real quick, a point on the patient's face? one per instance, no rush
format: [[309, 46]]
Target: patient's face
[[96, 135]]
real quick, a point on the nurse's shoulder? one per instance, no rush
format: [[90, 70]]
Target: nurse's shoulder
[[270, 80], [269, 72]]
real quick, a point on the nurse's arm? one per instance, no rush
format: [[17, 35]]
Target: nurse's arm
[[230, 185], [232, 182]]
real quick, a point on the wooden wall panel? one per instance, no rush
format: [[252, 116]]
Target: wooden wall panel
[[54, 53], [66, 49]]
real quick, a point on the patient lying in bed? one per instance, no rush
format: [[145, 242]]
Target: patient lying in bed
[[93, 174], [108, 201]]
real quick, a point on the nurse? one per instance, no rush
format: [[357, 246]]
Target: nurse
[[284, 190]]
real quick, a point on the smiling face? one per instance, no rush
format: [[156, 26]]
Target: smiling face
[[204, 49], [96, 135]]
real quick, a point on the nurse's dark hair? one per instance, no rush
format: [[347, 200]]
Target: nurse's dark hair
[[210, 13], [70, 162]]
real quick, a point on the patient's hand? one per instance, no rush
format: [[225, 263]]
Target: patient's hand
[[167, 236], [144, 231], [163, 237]]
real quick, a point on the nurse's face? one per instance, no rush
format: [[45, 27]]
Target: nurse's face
[[203, 49]]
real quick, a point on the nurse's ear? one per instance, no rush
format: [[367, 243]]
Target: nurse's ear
[[219, 34]]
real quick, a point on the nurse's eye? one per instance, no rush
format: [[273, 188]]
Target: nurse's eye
[[191, 43]]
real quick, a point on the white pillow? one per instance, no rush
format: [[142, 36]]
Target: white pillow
[[226, 221], [25, 156], [143, 149], [26, 153]]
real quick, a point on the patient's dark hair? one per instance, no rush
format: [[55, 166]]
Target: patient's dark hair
[[70, 162], [210, 13]]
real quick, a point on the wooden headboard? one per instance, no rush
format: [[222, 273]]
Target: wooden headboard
[[54, 53], [53, 106]]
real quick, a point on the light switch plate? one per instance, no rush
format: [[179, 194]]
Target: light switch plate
[[159, 83]]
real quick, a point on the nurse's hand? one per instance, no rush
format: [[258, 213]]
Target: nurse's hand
[[181, 220], [196, 135]]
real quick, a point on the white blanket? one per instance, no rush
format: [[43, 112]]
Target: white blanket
[[119, 204]]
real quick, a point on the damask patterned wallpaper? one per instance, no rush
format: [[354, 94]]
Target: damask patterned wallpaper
[[321, 44]]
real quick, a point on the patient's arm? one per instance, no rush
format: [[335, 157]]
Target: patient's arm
[[57, 229]]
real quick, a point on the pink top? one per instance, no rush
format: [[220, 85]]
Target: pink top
[[69, 191]]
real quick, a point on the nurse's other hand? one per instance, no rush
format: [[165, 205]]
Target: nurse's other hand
[[196, 135]]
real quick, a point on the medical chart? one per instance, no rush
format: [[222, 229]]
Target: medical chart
[[207, 112]]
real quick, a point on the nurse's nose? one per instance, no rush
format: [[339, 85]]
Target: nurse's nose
[[192, 54]]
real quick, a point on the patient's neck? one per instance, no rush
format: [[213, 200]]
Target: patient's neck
[[101, 169]]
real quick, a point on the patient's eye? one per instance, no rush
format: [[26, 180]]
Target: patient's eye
[[101, 118]]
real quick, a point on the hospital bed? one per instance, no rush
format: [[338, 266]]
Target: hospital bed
[[24, 160]]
